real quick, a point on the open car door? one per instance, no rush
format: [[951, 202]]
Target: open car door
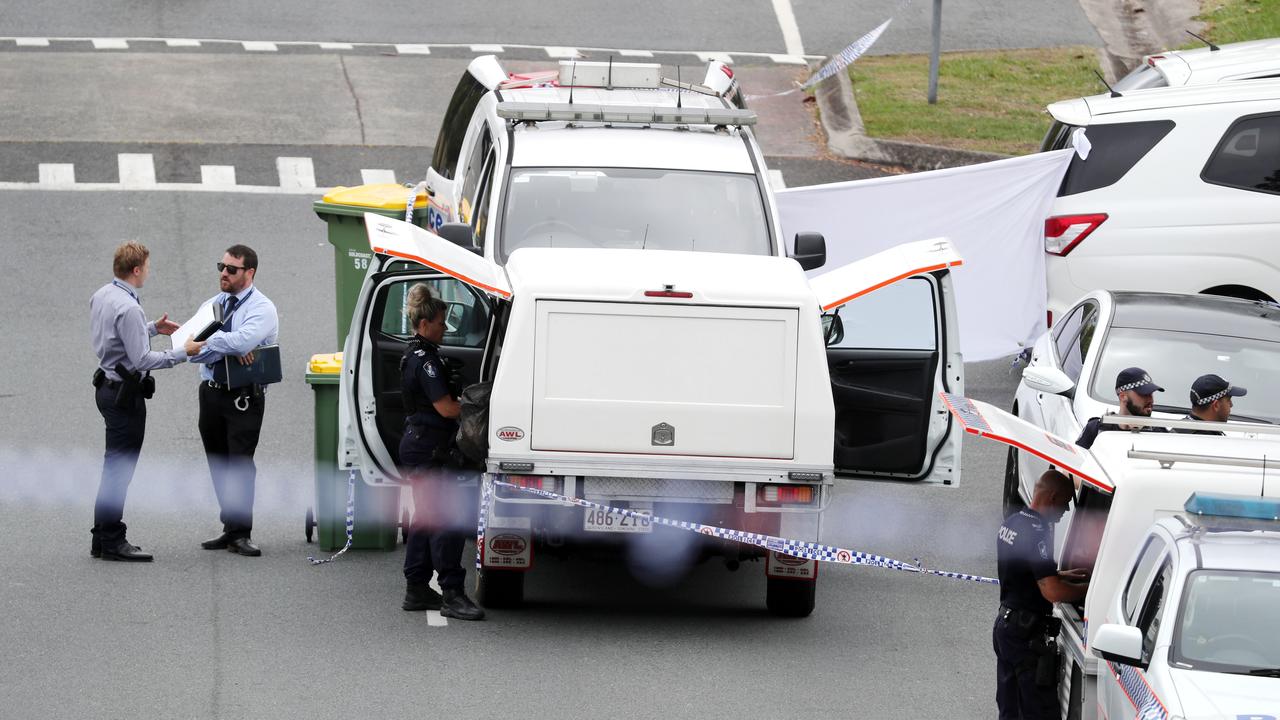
[[893, 348], [371, 409]]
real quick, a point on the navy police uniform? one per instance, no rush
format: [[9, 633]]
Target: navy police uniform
[[1024, 552], [440, 505], [1095, 426]]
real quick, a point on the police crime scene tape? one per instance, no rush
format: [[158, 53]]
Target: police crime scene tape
[[351, 521], [784, 546]]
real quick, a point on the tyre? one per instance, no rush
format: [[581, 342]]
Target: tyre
[[790, 598], [500, 588], [1012, 500]]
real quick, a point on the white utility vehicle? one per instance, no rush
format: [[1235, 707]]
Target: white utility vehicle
[[1178, 193], [1126, 482], [611, 255], [1251, 60]]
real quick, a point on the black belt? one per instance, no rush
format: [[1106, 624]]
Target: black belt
[[111, 384], [1024, 618], [223, 387]]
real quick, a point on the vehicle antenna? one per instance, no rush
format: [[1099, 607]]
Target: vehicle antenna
[[679, 88], [1212, 47], [645, 241], [573, 79], [609, 83], [1264, 474], [1104, 83]]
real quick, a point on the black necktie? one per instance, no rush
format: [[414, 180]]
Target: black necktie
[[232, 301]]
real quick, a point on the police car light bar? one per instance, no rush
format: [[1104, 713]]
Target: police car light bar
[[609, 75], [1235, 506], [648, 115]]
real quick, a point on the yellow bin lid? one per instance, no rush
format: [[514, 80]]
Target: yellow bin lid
[[325, 364], [382, 196]]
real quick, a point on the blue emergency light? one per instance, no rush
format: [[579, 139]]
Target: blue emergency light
[[1238, 506]]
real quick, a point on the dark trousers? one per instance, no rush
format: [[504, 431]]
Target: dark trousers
[[126, 428], [230, 437], [444, 513], [1018, 697]]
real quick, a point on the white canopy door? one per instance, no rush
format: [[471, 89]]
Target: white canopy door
[[397, 238]]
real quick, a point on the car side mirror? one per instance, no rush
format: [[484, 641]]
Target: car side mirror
[[1048, 380], [1119, 643], [459, 234], [832, 329], [810, 250]]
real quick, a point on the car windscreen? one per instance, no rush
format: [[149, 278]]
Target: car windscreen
[[634, 208], [1227, 623], [1175, 359]]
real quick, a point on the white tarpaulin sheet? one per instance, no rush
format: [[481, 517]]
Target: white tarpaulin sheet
[[993, 214]]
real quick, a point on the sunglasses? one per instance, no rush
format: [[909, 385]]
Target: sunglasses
[[230, 269]]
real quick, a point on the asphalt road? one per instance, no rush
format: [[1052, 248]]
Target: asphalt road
[[823, 27], [209, 634]]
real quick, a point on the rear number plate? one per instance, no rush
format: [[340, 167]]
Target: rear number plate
[[604, 521]]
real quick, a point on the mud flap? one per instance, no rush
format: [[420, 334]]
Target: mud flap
[[777, 565]]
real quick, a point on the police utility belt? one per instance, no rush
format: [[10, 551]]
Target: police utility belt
[[130, 386], [1029, 624]]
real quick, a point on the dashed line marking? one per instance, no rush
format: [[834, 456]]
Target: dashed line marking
[[635, 53], [222, 176], [413, 49], [336, 46], [31, 42], [57, 174], [137, 170], [259, 46], [487, 48], [182, 42], [372, 177], [110, 44], [789, 59], [566, 53], [296, 172]]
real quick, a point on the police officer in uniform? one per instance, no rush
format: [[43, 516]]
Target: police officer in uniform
[[1136, 394], [441, 507], [122, 383], [1211, 402], [1023, 637]]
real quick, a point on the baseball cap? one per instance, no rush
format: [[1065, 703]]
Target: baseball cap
[[1137, 380], [1208, 388]]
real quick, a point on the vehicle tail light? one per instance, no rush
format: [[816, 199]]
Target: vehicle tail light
[[1063, 232], [1048, 318], [535, 482], [668, 294], [786, 494]]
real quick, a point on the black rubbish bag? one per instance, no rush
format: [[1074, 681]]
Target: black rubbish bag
[[473, 422]]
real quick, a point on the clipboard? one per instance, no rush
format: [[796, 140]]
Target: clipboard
[[206, 321]]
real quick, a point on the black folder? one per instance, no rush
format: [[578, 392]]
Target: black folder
[[264, 370]]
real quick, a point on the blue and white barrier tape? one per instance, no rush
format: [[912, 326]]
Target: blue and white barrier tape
[[351, 521], [486, 496], [794, 548]]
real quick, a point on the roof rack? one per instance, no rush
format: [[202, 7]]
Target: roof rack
[[1138, 422], [642, 114], [1167, 459]]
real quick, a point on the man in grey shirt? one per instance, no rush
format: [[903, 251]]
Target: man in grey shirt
[[122, 341]]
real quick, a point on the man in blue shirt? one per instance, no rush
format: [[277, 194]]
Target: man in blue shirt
[[231, 417], [121, 339]]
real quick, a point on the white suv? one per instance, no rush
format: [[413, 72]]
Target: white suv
[[1251, 60], [1180, 192]]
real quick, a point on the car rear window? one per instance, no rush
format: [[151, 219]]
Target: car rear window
[[1248, 156], [1116, 148]]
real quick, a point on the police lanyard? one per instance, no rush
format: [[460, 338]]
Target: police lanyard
[[120, 285], [226, 318]]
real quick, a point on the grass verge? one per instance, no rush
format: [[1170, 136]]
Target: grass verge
[[991, 101], [1238, 20]]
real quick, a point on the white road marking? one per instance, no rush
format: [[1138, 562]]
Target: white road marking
[[335, 46], [635, 53], [32, 42], [218, 175], [413, 49], [789, 59], [790, 30], [170, 187], [296, 172], [137, 170], [487, 48], [110, 44], [435, 619], [562, 52], [775, 180], [57, 174], [714, 56], [259, 46], [182, 42], [372, 177]]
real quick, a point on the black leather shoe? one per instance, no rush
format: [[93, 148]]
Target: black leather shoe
[[457, 605], [420, 597], [243, 546], [219, 543], [124, 552], [95, 548]]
